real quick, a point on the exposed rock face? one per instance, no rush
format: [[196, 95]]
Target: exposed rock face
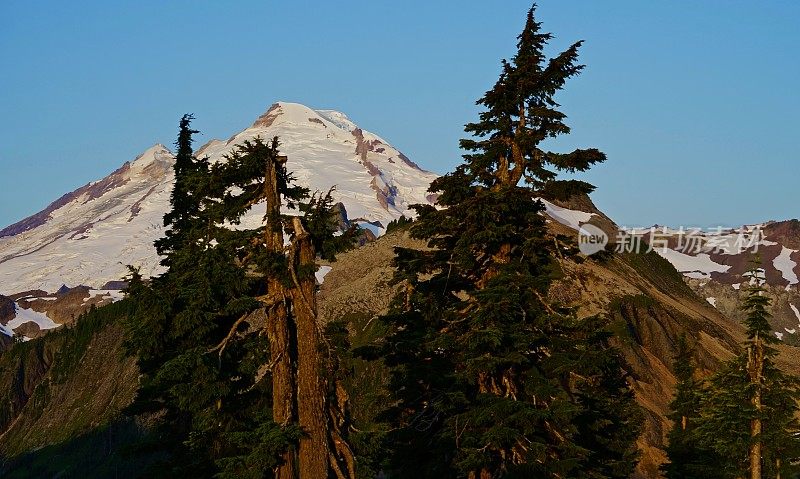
[[266, 120], [29, 330], [118, 285], [68, 304], [71, 398], [343, 222], [136, 208], [786, 233], [39, 218], [21, 379], [6, 309], [63, 307], [359, 281], [385, 193]]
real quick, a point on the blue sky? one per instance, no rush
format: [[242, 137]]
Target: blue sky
[[695, 103]]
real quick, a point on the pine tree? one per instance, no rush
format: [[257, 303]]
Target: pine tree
[[185, 205], [181, 314], [521, 112], [194, 328], [490, 379], [749, 417], [689, 457]]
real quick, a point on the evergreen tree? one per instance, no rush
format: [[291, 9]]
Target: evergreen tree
[[490, 379], [180, 315], [185, 205], [749, 417], [521, 112], [194, 328], [689, 457]]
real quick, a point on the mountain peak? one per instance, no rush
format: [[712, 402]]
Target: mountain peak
[[299, 114], [283, 112], [156, 152], [155, 161], [88, 235]]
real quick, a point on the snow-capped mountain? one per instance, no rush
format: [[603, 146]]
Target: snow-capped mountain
[[88, 236]]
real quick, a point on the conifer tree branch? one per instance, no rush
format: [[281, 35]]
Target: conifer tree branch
[[221, 346]]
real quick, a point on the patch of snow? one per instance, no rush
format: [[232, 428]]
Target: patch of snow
[[790, 331], [22, 316], [321, 273], [736, 285], [712, 301], [565, 216], [376, 230], [699, 267], [783, 263], [338, 118], [779, 335], [758, 277], [795, 310], [113, 294]]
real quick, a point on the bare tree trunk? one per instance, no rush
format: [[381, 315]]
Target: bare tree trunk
[[756, 369], [755, 448], [297, 364], [283, 383], [278, 328], [314, 461]]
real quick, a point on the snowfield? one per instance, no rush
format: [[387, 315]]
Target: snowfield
[[565, 216], [23, 316], [785, 265], [700, 266]]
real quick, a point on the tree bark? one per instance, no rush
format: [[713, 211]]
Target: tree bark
[[756, 368], [297, 364], [278, 327], [314, 460], [283, 383]]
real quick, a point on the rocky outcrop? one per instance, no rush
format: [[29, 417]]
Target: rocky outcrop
[[266, 120], [115, 285], [69, 305], [29, 330], [20, 376], [786, 233], [136, 208], [7, 311]]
